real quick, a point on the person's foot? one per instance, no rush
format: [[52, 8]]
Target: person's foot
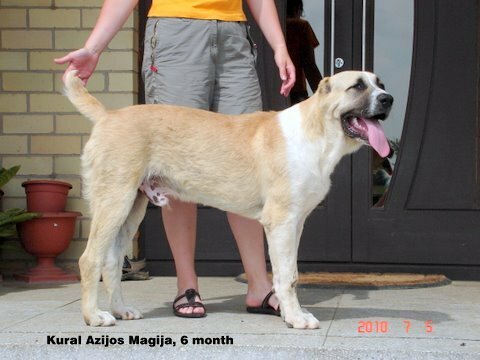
[[189, 304], [268, 305]]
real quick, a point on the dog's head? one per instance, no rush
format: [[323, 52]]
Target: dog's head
[[358, 101]]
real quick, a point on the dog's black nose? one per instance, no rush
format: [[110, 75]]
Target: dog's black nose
[[386, 100]]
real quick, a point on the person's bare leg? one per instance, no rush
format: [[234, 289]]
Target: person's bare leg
[[250, 241], [180, 221]]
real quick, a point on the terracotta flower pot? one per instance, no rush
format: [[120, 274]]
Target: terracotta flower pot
[[46, 195], [46, 237]]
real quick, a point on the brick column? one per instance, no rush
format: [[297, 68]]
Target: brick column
[[39, 129]]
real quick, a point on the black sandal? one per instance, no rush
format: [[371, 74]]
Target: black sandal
[[265, 308], [190, 295]]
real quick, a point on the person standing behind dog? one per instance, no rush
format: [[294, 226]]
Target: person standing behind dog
[[198, 54], [301, 43]]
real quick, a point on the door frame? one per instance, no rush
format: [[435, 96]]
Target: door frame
[[351, 175]]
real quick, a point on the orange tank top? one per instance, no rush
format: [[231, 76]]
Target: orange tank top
[[225, 10]]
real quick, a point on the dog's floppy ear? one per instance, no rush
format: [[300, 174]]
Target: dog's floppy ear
[[324, 86]]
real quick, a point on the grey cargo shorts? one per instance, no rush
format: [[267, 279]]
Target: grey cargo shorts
[[205, 64]]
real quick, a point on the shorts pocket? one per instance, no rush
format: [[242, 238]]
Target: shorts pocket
[[253, 44], [148, 64]]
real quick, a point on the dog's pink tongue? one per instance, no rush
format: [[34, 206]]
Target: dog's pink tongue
[[377, 138]]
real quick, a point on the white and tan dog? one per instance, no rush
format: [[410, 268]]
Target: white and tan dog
[[274, 167]]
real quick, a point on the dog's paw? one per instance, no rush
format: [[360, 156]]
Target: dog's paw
[[127, 313], [303, 320], [100, 318]]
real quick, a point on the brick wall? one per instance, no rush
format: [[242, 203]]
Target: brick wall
[[39, 129]]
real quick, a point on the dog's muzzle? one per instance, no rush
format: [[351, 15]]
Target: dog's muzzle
[[365, 125]]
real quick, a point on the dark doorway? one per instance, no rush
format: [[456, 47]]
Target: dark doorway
[[428, 219]]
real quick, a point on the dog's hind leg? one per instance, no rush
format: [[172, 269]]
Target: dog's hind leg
[[109, 212], [282, 237], [112, 269]]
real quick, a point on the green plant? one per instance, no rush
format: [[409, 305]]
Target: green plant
[[7, 174], [9, 218]]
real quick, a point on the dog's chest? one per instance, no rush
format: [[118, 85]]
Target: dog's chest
[[310, 180], [309, 165]]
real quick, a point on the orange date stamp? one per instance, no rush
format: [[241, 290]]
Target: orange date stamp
[[384, 327]]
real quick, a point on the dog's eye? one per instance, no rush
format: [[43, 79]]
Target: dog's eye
[[380, 85], [360, 85]]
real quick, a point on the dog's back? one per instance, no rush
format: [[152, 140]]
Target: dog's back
[[189, 149]]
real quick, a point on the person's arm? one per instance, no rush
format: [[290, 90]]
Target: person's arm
[[113, 15], [266, 16]]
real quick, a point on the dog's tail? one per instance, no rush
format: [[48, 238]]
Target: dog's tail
[[85, 103]]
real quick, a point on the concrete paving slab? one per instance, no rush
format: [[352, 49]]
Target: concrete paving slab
[[401, 344], [355, 324]]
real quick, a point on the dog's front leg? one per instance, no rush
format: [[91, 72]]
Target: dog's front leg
[[283, 248]]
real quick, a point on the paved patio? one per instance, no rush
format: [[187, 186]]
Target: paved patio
[[430, 323]]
